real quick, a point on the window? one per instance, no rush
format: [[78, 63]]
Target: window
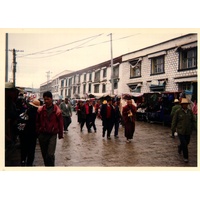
[[70, 82], [115, 84], [74, 79], [96, 88], [105, 73], [157, 65], [135, 68], [89, 88], [116, 72], [69, 92], [97, 76], [134, 88], [188, 59], [78, 89], [90, 77], [74, 89], [184, 86], [62, 83], [103, 88], [84, 77], [84, 88]]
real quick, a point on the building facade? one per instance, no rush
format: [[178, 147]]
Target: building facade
[[168, 66]]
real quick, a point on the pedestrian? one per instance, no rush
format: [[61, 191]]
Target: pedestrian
[[82, 115], [94, 112], [117, 118], [78, 111], [88, 108], [66, 109], [129, 115], [98, 104], [174, 109], [107, 117], [183, 122], [49, 123], [28, 136]]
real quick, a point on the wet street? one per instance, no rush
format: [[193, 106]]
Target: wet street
[[151, 146]]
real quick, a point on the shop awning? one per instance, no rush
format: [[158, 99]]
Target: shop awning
[[185, 79]]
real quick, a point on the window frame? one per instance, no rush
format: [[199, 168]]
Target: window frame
[[183, 59], [154, 65], [96, 85], [134, 65]]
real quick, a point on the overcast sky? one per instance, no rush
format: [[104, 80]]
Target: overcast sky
[[56, 50]]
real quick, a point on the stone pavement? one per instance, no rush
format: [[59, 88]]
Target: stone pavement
[[151, 147]]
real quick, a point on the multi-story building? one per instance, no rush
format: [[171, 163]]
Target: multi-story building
[[95, 80], [167, 66], [53, 85]]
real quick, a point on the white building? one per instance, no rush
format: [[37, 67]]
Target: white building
[[167, 66]]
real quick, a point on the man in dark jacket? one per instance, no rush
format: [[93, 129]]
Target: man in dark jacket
[[28, 136], [117, 118], [183, 122], [49, 124], [174, 109], [107, 115]]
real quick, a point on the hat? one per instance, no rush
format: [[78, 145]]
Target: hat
[[176, 101], [184, 101], [35, 103]]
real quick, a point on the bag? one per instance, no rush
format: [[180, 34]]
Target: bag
[[22, 121]]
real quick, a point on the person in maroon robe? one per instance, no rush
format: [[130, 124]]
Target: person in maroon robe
[[129, 115]]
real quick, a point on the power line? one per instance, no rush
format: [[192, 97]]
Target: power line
[[59, 46], [76, 47]]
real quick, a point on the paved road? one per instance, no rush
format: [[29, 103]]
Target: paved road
[[151, 147]]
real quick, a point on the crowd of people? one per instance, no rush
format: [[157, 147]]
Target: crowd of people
[[47, 121]]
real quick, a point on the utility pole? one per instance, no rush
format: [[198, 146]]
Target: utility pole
[[14, 67], [112, 78], [6, 67]]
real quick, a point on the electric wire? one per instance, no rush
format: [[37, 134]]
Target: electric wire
[[73, 48], [59, 46]]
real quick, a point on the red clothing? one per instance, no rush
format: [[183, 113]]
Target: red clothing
[[108, 111], [87, 109], [52, 124], [129, 121]]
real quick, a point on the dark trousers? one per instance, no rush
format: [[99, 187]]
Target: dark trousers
[[48, 146], [88, 121], [184, 141], [27, 145], [92, 122], [107, 126], [66, 121], [82, 123], [116, 125]]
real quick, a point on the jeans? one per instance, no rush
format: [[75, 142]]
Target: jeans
[[184, 141], [48, 146]]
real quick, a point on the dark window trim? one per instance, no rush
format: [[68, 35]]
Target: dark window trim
[[163, 56]]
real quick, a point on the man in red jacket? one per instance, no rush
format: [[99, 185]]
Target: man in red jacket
[[49, 124]]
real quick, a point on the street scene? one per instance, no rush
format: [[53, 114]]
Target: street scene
[[143, 101], [151, 146]]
